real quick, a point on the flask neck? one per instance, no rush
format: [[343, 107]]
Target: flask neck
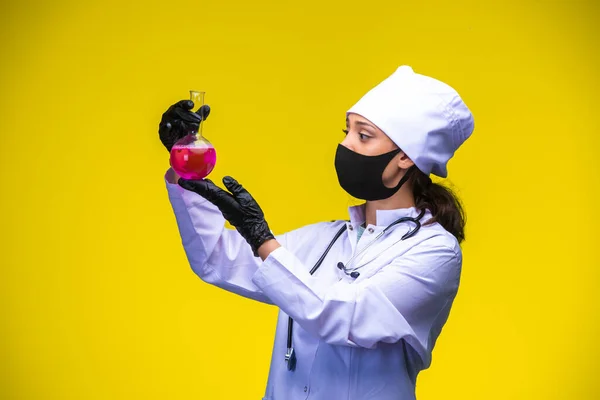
[[196, 131]]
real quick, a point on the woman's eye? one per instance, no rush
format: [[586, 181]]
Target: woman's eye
[[361, 136]]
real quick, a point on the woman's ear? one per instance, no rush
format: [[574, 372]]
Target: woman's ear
[[404, 162]]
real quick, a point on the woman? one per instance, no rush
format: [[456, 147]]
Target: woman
[[362, 302]]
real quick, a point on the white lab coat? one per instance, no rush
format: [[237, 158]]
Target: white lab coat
[[355, 339]]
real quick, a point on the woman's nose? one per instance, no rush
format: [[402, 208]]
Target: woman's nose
[[347, 142]]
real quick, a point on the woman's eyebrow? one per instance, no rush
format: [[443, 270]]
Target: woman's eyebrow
[[365, 124], [360, 123]]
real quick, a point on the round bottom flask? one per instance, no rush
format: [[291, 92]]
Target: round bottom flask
[[193, 156]]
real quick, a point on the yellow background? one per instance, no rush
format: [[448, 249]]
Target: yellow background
[[97, 300]]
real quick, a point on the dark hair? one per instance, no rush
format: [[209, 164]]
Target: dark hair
[[441, 201]]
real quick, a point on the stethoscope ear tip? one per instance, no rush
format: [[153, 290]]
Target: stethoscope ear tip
[[353, 274]]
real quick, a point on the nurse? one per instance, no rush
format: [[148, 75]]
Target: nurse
[[362, 301]]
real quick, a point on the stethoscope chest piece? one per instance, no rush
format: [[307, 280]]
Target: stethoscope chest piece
[[290, 359]]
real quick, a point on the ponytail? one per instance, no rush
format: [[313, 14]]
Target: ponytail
[[444, 205]]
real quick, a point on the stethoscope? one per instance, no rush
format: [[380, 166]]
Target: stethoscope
[[290, 355]]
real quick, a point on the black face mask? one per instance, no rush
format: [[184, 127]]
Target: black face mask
[[362, 176]]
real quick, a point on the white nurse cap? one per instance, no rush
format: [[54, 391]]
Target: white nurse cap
[[426, 118]]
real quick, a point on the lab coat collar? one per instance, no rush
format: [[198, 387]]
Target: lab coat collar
[[384, 217]]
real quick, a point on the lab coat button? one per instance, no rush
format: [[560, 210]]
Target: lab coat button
[[371, 230], [305, 389], [350, 227]]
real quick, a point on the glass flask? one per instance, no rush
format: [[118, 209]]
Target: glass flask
[[192, 156]]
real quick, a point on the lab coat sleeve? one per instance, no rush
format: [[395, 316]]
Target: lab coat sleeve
[[219, 256], [408, 299]]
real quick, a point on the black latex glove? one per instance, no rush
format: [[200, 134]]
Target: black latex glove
[[238, 207], [178, 121]]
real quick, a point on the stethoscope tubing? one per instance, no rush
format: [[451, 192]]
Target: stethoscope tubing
[[290, 356], [409, 234]]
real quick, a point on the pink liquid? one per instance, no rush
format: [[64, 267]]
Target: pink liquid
[[193, 162]]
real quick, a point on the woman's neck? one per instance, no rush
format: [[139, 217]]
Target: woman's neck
[[403, 198]]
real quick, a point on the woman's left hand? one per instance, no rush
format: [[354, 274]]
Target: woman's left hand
[[238, 207]]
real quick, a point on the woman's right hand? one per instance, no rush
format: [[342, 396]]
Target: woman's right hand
[[178, 121]]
